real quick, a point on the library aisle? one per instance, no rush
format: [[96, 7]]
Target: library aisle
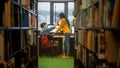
[[94, 40], [55, 62]]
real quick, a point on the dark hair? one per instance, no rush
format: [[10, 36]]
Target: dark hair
[[63, 16], [42, 24]]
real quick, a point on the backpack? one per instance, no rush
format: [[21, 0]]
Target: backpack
[[45, 42]]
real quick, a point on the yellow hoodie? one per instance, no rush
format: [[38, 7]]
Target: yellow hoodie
[[64, 26]]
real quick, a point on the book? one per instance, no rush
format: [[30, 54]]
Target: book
[[3, 19], [106, 19], [24, 19], [90, 21], [116, 14], [94, 1], [33, 5], [30, 37], [24, 38], [112, 47], [34, 39], [118, 62], [2, 12], [11, 62], [29, 20], [25, 3], [2, 51], [84, 4], [101, 45], [96, 17], [16, 16], [93, 42], [84, 57], [34, 21], [29, 53], [101, 13], [74, 22], [7, 21], [77, 6], [88, 40]]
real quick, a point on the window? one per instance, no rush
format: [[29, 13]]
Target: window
[[58, 8], [49, 11], [70, 12], [43, 12]]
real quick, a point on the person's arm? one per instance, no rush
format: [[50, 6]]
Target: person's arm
[[49, 29], [60, 26], [46, 30]]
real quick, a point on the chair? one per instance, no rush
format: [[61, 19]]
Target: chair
[[54, 48]]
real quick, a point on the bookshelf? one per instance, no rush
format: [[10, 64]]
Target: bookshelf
[[18, 34], [97, 32]]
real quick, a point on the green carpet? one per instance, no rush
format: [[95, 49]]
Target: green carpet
[[55, 62]]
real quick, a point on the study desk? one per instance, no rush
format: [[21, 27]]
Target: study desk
[[60, 38]]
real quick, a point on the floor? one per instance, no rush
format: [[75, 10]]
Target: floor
[[55, 62]]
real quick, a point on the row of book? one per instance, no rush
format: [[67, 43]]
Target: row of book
[[86, 45], [14, 16], [100, 14], [22, 59], [31, 4], [18, 34], [103, 43], [82, 4], [28, 20], [15, 40]]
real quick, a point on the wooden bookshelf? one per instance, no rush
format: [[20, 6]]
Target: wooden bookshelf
[[27, 9], [97, 33], [18, 34]]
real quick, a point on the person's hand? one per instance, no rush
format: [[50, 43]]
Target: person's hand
[[55, 25], [56, 22]]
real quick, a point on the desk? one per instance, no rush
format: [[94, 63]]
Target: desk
[[61, 36], [61, 40]]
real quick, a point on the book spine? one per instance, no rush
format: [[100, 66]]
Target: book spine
[[24, 19], [101, 13], [7, 14], [25, 3], [2, 56], [116, 15]]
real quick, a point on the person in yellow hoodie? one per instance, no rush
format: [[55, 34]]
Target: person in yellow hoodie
[[65, 27]]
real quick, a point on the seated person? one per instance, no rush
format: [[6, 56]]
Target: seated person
[[45, 30], [46, 35]]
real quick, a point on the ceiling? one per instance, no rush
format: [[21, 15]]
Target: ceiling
[[55, 0]]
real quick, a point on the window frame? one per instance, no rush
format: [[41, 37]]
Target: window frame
[[52, 10]]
